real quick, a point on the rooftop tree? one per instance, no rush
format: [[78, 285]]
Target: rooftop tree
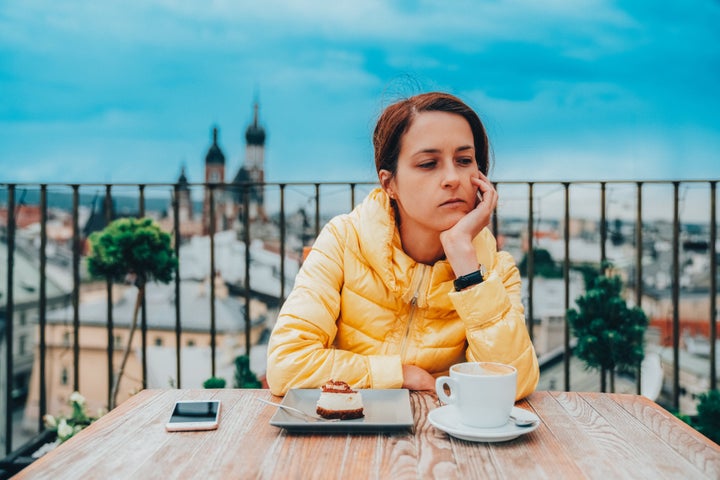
[[135, 249], [610, 336]]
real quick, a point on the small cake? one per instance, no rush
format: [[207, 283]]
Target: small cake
[[338, 400]]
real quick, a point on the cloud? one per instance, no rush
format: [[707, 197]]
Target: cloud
[[591, 82]]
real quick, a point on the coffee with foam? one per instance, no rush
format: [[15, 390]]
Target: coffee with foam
[[482, 392], [484, 368]]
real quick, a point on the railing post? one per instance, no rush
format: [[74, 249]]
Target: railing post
[[639, 268], [530, 260], [76, 286], [317, 209], [566, 276], [212, 279], [676, 296], [178, 237], [352, 196], [42, 303], [713, 286], [110, 321], [495, 226], [246, 238], [282, 243], [9, 318], [603, 258], [603, 225], [143, 303]]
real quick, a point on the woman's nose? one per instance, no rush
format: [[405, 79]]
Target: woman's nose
[[450, 175]]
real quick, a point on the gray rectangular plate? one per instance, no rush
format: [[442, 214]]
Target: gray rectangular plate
[[384, 410]]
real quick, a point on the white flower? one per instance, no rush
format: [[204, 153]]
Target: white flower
[[50, 421], [75, 397], [64, 431]]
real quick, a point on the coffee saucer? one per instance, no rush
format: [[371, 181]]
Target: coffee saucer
[[447, 419]]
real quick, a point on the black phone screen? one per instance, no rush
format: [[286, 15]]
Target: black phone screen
[[195, 411]]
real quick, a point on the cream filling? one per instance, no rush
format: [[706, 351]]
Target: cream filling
[[340, 401]]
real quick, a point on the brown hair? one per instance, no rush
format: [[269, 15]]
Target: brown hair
[[397, 118]]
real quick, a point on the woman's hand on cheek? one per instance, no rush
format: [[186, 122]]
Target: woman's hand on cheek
[[484, 209], [457, 240]]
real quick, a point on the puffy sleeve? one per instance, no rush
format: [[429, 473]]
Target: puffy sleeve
[[494, 319], [300, 350]]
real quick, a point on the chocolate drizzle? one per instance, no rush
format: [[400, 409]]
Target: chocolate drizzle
[[337, 387]]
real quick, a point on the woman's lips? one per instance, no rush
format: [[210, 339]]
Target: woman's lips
[[453, 202]]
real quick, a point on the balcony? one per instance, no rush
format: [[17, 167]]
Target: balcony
[[240, 245]]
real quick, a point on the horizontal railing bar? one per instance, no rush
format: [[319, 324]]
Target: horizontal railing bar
[[364, 182]]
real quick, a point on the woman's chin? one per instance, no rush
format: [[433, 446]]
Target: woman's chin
[[450, 219]]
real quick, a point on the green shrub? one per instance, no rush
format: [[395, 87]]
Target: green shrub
[[214, 382], [708, 417], [543, 265]]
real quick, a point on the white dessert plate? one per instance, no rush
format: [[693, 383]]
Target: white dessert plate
[[447, 419], [384, 410]]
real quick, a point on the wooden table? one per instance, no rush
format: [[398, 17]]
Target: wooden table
[[583, 435]]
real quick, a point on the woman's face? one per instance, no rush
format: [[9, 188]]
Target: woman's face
[[432, 186]]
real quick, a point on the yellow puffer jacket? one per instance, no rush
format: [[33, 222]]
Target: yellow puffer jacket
[[361, 308]]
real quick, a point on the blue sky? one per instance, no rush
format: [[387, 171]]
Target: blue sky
[[128, 91]]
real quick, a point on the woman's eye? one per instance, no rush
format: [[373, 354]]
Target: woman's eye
[[427, 165], [466, 161]]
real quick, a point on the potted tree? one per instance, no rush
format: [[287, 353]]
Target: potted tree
[[610, 336], [244, 377], [134, 248], [708, 417]]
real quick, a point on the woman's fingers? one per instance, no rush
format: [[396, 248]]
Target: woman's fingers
[[488, 192]]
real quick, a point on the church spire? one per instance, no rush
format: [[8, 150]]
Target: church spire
[[255, 134]]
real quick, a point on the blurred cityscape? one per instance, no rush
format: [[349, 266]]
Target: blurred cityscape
[[270, 225]]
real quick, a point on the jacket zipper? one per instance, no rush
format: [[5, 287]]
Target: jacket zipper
[[411, 315]]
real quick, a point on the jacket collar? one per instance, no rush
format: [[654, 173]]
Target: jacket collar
[[381, 247], [379, 238]]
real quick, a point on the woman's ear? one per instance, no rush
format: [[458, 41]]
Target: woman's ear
[[385, 178]]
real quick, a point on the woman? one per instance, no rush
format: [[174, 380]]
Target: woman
[[410, 282]]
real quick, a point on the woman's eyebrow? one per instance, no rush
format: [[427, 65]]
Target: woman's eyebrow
[[437, 150], [427, 150]]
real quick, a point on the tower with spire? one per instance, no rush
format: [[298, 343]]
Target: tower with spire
[[185, 210], [214, 174], [229, 199], [253, 169]]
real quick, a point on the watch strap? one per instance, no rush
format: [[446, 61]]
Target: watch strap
[[474, 278]]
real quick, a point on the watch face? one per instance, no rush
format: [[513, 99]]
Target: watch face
[[483, 271]]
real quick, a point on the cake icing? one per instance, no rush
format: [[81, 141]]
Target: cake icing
[[338, 400]]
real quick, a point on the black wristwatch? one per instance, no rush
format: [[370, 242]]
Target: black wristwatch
[[474, 278]]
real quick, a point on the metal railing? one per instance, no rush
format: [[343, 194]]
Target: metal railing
[[9, 193]]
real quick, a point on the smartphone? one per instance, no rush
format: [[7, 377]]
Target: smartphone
[[194, 415]]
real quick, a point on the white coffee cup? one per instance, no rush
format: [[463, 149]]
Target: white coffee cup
[[482, 392]]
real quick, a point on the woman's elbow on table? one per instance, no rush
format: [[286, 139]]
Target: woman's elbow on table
[[528, 377], [277, 380]]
